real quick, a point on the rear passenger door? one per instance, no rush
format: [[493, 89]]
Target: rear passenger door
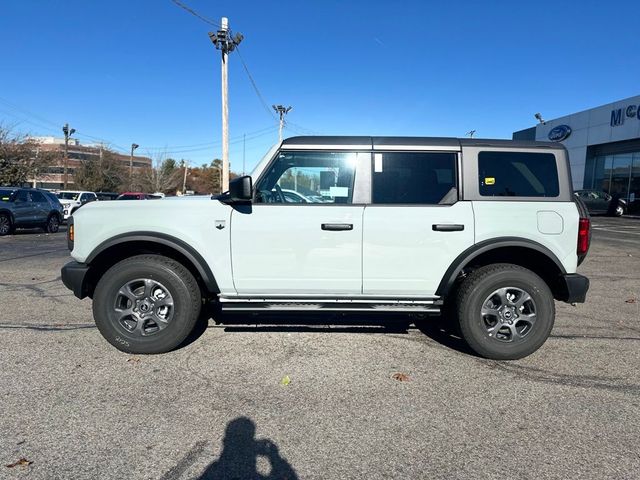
[[41, 207], [414, 226]]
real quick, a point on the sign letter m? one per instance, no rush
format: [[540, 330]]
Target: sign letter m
[[616, 117]]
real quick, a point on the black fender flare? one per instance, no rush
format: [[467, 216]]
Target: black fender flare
[[485, 246], [190, 253]]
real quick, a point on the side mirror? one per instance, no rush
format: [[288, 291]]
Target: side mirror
[[240, 189]]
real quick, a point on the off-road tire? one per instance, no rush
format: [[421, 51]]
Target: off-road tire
[[179, 282], [470, 300]]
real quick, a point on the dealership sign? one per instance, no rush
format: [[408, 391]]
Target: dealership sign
[[618, 115], [559, 133]]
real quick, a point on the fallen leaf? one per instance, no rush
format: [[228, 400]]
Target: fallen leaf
[[285, 380], [631, 300], [401, 377], [133, 360], [23, 462]]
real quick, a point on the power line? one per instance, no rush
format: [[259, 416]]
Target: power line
[[196, 14], [255, 86], [208, 144]]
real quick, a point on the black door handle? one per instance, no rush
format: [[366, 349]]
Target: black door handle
[[447, 227], [336, 227]]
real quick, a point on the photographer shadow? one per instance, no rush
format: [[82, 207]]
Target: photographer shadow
[[239, 457]]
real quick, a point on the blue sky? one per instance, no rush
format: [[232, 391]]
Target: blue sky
[[146, 71]]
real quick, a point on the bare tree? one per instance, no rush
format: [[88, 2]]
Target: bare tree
[[104, 173], [20, 159]]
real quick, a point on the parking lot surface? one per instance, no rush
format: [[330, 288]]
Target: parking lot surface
[[331, 397]]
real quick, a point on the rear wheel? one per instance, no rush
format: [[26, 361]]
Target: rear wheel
[[505, 312], [619, 211], [146, 304], [53, 224], [6, 227]]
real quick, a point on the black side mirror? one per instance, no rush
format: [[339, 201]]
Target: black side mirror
[[240, 190]]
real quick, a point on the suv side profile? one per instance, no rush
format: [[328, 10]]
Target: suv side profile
[[487, 229], [28, 208]]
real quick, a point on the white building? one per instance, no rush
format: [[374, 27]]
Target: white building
[[603, 145]]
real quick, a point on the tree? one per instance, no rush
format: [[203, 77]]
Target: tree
[[20, 158], [102, 174], [163, 177]]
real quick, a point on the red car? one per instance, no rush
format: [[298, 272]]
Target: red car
[[137, 196]]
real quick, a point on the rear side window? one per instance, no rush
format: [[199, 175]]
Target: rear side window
[[414, 178], [38, 197], [518, 174]]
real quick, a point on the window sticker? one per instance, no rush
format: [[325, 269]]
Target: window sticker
[[489, 180], [377, 162], [341, 192]]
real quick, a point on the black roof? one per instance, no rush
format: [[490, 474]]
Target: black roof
[[416, 141]]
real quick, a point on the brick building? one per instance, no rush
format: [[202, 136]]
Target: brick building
[[52, 177]]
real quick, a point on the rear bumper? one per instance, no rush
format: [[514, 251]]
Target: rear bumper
[[74, 275], [574, 288]]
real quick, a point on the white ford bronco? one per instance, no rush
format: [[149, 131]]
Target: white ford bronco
[[488, 228]]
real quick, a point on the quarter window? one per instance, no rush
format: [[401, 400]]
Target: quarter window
[[38, 197], [414, 178], [517, 174], [309, 177]]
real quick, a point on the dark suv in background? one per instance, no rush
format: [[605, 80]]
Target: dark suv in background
[[27, 208]]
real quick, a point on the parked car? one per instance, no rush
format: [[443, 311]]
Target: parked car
[[137, 196], [102, 196], [72, 200], [28, 208], [603, 203], [488, 230]]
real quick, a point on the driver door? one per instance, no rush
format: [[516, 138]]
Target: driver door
[[313, 247]]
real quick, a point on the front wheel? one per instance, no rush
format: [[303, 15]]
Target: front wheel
[[146, 304], [6, 227], [505, 312]]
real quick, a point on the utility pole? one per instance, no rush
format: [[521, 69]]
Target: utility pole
[[184, 180], [282, 111], [471, 133], [223, 42], [67, 133], [133, 147]]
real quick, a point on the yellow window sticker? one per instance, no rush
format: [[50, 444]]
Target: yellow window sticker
[[489, 180]]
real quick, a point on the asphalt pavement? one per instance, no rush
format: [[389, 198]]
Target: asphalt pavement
[[317, 398]]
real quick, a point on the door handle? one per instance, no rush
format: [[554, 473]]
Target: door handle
[[447, 227], [336, 227]]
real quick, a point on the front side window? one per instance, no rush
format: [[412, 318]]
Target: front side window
[[314, 177], [414, 178], [518, 174], [22, 196]]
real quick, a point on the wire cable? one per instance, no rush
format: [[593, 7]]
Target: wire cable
[[255, 87], [196, 14]]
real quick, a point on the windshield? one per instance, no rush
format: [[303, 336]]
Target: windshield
[[5, 195], [262, 163], [68, 195]]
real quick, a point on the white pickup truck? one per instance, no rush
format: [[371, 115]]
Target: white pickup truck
[[490, 228]]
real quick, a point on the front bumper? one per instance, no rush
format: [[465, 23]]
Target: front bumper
[[574, 288], [74, 277]]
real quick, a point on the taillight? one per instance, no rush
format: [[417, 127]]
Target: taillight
[[584, 226]]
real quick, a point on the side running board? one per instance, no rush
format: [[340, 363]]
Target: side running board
[[255, 304]]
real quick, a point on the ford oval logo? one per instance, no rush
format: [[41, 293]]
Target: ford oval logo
[[559, 133]]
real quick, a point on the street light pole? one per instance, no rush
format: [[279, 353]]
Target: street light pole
[[282, 111], [67, 133], [223, 41], [133, 147]]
